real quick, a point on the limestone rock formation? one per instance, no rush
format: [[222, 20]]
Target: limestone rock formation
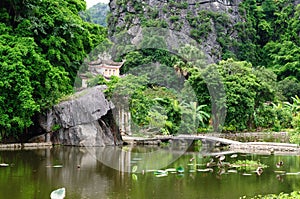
[[210, 22], [84, 120]]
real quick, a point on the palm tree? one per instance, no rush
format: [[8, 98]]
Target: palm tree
[[296, 105], [191, 57], [195, 112]]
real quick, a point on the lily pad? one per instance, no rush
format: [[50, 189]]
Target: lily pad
[[234, 156], [58, 193], [232, 171], [205, 170], [134, 177], [279, 171], [161, 175], [160, 172], [4, 165], [171, 170], [296, 173], [150, 170], [134, 169], [57, 166], [180, 169], [137, 159]]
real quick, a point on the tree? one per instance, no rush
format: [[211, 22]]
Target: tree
[[42, 44], [270, 35], [193, 115], [244, 92], [61, 35], [288, 88], [28, 83], [283, 58]]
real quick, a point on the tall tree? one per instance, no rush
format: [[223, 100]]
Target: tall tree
[[42, 44]]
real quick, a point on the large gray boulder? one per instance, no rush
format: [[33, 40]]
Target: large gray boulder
[[84, 107], [85, 119]]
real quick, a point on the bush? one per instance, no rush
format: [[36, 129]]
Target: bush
[[295, 135], [264, 116], [294, 194]]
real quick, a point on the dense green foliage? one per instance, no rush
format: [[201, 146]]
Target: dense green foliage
[[261, 73], [266, 35], [272, 37], [295, 109], [246, 91], [42, 44], [246, 98], [153, 108], [293, 195]]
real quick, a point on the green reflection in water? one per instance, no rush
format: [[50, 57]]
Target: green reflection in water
[[31, 175]]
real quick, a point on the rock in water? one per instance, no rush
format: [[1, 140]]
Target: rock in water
[[58, 193], [84, 120]]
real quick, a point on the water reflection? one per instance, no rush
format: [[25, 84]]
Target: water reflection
[[81, 170], [142, 158]]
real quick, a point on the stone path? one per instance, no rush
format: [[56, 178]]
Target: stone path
[[241, 147]]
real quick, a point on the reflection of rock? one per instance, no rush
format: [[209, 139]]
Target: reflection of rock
[[86, 182], [115, 158], [40, 138], [84, 120]]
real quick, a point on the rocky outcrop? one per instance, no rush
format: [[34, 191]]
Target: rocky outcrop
[[85, 119], [210, 22]]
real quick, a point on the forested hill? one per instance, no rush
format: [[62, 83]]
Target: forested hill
[[263, 32], [253, 44], [96, 14]]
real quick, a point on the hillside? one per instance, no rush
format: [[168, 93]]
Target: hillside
[[253, 44], [265, 33], [96, 14]]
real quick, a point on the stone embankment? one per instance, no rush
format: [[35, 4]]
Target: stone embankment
[[267, 148], [25, 146], [260, 147]]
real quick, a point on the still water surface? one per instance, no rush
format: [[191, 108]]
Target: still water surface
[[31, 175]]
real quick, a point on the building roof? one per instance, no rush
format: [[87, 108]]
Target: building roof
[[106, 63]]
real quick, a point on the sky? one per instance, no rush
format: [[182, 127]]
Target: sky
[[90, 3]]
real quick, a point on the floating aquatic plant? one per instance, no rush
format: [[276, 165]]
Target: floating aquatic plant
[[247, 165], [180, 169], [160, 173], [134, 169]]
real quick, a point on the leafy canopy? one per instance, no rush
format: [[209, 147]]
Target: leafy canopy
[[42, 44]]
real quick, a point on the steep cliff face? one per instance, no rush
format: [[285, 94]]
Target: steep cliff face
[[210, 22], [84, 120]]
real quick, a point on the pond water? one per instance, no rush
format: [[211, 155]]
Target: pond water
[[33, 174]]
